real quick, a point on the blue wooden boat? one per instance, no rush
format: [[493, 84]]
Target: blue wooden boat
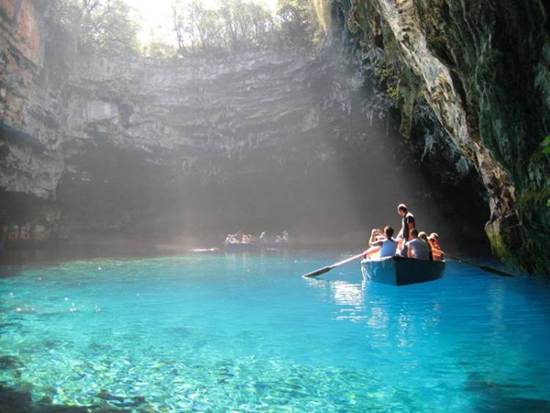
[[401, 271]]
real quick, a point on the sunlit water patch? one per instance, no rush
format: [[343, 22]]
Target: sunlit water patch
[[246, 333]]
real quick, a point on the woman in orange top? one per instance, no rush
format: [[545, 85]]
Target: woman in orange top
[[437, 252]]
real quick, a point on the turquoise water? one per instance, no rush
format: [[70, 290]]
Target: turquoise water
[[243, 333]]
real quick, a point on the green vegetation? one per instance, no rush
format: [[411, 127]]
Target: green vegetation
[[299, 23], [242, 25], [235, 25], [106, 25], [110, 26], [546, 145]]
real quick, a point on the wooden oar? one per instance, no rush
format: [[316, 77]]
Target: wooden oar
[[485, 268], [330, 267]]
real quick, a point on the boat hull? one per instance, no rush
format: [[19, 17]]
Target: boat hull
[[402, 271]]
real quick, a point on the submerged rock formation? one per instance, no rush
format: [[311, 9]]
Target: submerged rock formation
[[483, 69]]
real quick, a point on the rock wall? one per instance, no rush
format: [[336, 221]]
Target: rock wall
[[483, 69], [29, 128], [263, 140]]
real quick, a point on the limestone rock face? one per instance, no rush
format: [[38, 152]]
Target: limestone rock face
[[137, 147], [483, 68], [271, 138], [29, 126]]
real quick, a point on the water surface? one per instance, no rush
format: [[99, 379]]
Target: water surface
[[222, 332]]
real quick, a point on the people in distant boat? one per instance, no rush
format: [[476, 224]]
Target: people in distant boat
[[231, 239], [263, 239], [416, 247], [382, 242], [437, 252], [283, 237], [424, 237]]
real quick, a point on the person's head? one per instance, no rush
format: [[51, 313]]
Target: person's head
[[434, 236], [422, 235], [402, 209], [414, 233], [388, 231]]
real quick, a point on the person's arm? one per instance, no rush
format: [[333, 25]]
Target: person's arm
[[410, 226], [410, 252], [371, 252], [400, 234], [372, 240], [375, 244], [440, 250]]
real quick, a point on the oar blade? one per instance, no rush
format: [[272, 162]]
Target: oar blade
[[317, 272]]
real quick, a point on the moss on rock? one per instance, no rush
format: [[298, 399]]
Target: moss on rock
[[484, 69]]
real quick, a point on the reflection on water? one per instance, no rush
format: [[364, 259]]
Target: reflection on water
[[217, 332], [345, 293]]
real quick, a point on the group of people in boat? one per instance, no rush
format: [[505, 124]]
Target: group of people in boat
[[244, 238], [409, 242], [239, 238]]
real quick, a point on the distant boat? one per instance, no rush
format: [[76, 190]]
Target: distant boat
[[257, 244], [240, 246], [401, 271]]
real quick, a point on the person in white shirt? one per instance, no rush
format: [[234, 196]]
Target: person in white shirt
[[417, 248], [385, 242]]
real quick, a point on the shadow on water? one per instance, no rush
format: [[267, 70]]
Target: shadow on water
[[493, 398], [502, 397], [514, 405]]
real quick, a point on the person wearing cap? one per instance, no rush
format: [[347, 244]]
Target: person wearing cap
[[437, 252]]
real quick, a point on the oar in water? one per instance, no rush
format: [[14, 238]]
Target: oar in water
[[485, 268], [330, 267]]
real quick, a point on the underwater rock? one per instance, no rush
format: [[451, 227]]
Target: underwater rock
[[9, 362], [12, 401], [122, 401]]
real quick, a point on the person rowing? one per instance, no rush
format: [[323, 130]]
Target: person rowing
[[382, 242]]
